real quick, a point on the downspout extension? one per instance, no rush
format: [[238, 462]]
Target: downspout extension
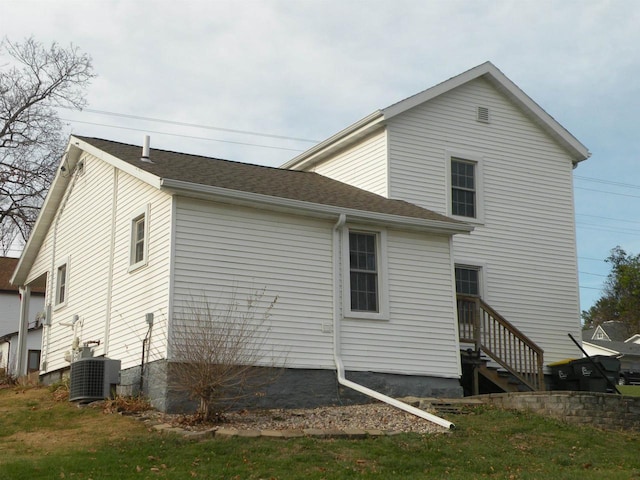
[[342, 380]]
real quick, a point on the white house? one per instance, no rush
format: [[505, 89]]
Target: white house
[[478, 149], [10, 321], [613, 339], [122, 235], [364, 241]]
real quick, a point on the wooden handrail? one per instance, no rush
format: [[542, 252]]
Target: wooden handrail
[[501, 341]]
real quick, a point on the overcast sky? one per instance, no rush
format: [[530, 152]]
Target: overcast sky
[[296, 71]]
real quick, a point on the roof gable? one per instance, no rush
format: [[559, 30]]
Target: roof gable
[[487, 71], [612, 331]]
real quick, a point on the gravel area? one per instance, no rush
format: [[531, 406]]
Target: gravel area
[[375, 416]]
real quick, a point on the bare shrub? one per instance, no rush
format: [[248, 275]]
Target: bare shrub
[[6, 379], [215, 350]]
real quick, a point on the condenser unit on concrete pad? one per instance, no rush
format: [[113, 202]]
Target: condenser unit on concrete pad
[[93, 378]]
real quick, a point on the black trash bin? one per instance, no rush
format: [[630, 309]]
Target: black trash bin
[[590, 378], [563, 375]]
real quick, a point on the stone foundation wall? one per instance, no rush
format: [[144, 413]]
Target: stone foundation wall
[[292, 388], [602, 410]]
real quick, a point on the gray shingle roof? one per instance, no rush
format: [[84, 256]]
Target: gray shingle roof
[[275, 182]]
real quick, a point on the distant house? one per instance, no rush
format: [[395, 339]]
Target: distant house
[[10, 320], [612, 339], [365, 240]]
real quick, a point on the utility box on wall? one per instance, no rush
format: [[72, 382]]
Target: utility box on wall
[[93, 378]]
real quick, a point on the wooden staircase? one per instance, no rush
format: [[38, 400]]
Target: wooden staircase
[[519, 360]]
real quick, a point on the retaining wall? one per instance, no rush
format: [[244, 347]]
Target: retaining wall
[[602, 410]]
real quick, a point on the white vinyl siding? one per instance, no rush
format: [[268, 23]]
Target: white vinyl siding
[[420, 337], [363, 165], [83, 236], [527, 240], [223, 252]]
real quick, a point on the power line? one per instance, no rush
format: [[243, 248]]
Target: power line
[[610, 193], [192, 125], [591, 258], [591, 226], [184, 136], [626, 220], [607, 182], [596, 274]]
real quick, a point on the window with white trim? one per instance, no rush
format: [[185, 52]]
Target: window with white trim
[[363, 267], [365, 279], [139, 239], [62, 280], [468, 280], [465, 186]]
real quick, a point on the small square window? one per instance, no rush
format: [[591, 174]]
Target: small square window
[[468, 281]]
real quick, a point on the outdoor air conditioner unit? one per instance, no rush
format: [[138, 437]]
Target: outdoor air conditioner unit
[[93, 378]]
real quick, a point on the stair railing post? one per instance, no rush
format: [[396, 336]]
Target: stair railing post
[[477, 333], [478, 343]]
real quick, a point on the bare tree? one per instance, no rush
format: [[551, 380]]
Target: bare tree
[[34, 81], [215, 350]]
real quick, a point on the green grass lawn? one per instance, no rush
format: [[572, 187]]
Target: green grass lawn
[[629, 390], [43, 439]]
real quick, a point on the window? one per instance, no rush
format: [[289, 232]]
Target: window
[[33, 361], [61, 284], [464, 173], [364, 272], [463, 188], [139, 239], [365, 292], [468, 281]]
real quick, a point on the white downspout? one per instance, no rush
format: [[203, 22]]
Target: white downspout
[[23, 331], [337, 228]]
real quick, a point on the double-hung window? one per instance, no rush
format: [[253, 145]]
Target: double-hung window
[[61, 291], [463, 188], [139, 239], [468, 281], [363, 265], [365, 279]]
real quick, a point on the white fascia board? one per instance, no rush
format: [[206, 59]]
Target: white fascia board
[[126, 167], [257, 200], [46, 216], [511, 90], [338, 141], [75, 149], [437, 90], [598, 348]]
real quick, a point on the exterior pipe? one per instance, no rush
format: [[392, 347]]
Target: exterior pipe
[[342, 380]]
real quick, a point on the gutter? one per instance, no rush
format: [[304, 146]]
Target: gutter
[[342, 380], [288, 205]]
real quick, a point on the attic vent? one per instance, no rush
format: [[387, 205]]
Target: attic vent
[[483, 114]]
